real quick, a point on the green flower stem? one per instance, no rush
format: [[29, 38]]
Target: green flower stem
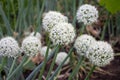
[[12, 67], [104, 27], [52, 65], [80, 2], [76, 68], [36, 70], [91, 71], [6, 21], [66, 6], [59, 67], [4, 61], [13, 8], [74, 13], [57, 74], [17, 69], [39, 20], [82, 29], [27, 62], [45, 61]]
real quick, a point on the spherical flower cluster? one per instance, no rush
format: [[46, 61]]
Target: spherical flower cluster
[[51, 19], [36, 34], [100, 53], [31, 46], [82, 44], [9, 47], [60, 58], [62, 33], [87, 14], [44, 50]]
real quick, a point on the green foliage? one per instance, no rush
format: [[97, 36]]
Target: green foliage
[[111, 5]]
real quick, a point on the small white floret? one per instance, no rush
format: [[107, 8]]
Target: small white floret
[[60, 58], [44, 50]]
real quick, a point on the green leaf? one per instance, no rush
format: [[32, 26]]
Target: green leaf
[[111, 5]]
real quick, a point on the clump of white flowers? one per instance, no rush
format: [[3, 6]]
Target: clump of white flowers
[[100, 53], [60, 58], [9, 47], [31, 46], [44, 50], [82, 43], [36, 34], [62, 33], [87, 14], [52, 18]]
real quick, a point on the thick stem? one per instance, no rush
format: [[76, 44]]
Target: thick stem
[[12, 67], [91, 71], [17, 69], [76, 68]]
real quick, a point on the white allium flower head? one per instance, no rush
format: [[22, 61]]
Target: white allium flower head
[[44, 50], [60, 58], [36, 34], [87, 14], [31, 46], [100, 53], [52, 18], [9, 47], [62, 33], [82, 44]]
